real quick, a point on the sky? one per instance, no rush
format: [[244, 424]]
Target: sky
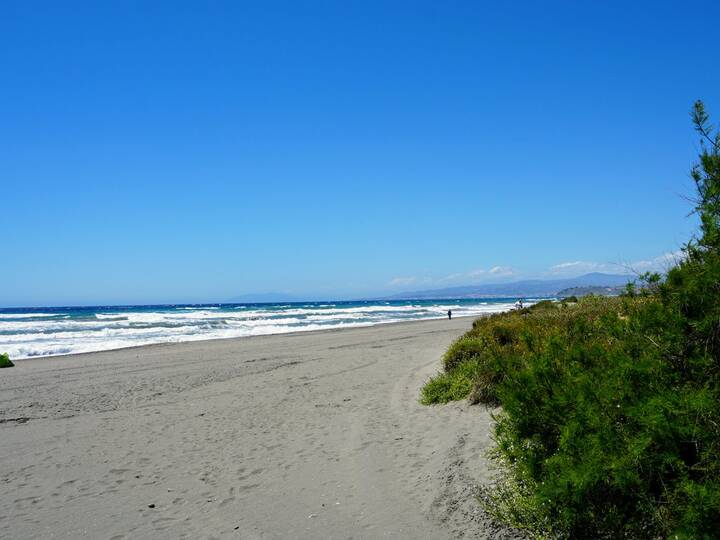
[[197, 151]]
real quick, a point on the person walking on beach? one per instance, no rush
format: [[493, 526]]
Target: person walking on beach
[[450, 314]]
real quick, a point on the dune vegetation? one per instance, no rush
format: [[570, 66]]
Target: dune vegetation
[[608, 423], [5, 361]]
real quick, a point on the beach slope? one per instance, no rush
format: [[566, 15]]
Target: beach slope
[[309, 435]]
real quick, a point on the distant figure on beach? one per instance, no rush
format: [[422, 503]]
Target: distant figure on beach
[[450, 314], [519, 304]]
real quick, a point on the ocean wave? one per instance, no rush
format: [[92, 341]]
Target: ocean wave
[[26, 315], [110, 317], [29, 335]]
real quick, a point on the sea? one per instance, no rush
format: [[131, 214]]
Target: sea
[[36, 332]]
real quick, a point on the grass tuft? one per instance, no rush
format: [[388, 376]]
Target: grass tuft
[[5, 361]]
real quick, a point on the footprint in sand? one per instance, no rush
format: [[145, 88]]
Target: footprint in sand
[[227, 501]]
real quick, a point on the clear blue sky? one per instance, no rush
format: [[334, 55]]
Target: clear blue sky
[[196, 151]]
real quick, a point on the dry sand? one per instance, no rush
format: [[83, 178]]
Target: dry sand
[[309, 435]]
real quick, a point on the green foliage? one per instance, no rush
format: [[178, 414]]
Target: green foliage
[[509, 501], [610, 421], [477, 362], [5, 361], [451, 385], [464, 349]]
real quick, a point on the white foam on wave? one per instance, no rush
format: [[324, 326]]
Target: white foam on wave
[[113, 330], [26, 315]]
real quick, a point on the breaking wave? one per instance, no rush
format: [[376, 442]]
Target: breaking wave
[[59, 331]]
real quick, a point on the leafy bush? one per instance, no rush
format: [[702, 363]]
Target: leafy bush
[[451, 385], [610, 421], [465, 348], [5, 361], [543, 304]]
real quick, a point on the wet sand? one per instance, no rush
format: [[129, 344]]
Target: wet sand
[[308, 435]]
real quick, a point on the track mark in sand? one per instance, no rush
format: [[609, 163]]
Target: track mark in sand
[[340, 372], [266, 359], [401, 338], [362, 344], [455, 485], [273, 368], [456, 505], [348, 346], [322, 405], [19, 420], [226, 501]]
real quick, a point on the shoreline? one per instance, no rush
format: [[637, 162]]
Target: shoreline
[[304, 435], [214, 339]]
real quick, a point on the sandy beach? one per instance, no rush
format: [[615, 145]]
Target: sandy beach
[[311, 435]]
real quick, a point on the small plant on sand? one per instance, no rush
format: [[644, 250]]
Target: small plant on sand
[[5, 361]]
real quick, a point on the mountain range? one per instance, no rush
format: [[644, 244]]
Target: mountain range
[[529, 287], [595, 283]]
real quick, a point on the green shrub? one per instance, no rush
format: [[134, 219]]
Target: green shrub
[[504, 334], [543, 304], [610, 420], [464, 349], [502, 341], [450, 385], [5, 361]]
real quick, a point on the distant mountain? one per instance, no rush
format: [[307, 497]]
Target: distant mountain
[[530, 287], [257, 298], [585, 291]]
